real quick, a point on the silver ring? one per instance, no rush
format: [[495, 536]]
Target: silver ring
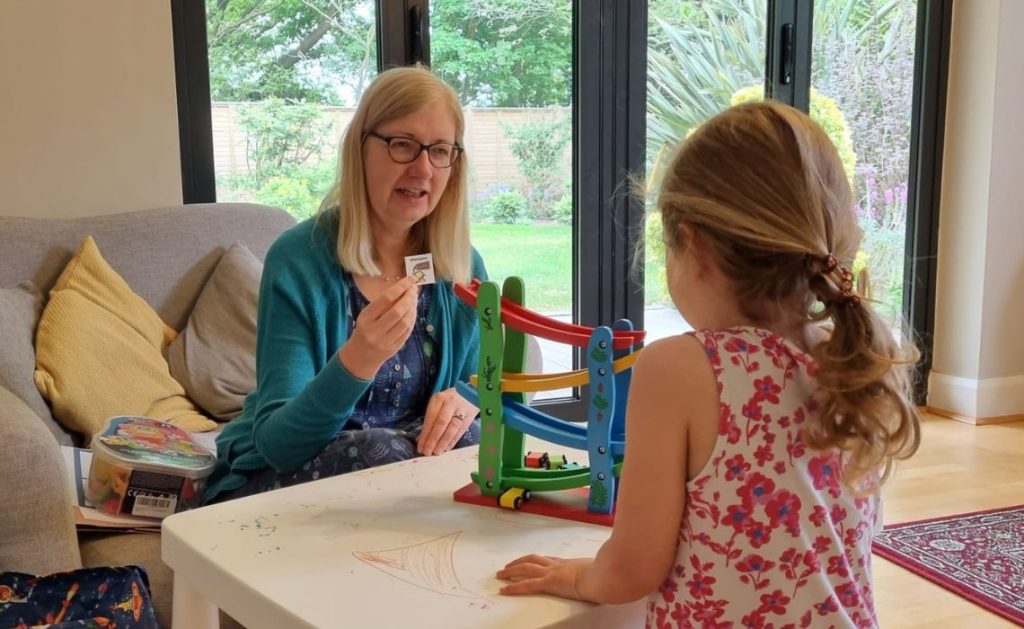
[[459, 416]]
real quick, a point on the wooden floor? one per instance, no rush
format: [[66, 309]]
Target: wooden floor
[[959, 468]]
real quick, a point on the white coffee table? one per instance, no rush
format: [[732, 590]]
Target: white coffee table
[[385, 547]]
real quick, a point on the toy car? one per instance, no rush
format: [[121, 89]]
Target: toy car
[[536, 459], [513, 498], [557, 461]]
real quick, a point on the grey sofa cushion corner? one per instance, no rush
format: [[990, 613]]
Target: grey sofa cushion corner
[[37, 526], [20, 308]]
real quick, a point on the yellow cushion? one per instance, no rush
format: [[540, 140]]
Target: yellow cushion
[[99, 352]]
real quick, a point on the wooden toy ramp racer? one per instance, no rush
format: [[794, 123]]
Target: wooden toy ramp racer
[[522, 320], [506, 476], [535, 382]]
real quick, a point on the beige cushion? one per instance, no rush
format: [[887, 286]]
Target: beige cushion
[[99, 352], [19, 314], [214, 357]]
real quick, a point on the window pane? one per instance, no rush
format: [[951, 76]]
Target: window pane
[[511, 63], [703, 56], [284, 79], [861, 89]]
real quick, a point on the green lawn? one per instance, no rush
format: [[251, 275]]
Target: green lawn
[[542, 256]]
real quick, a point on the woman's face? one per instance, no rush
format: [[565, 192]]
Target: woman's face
[[402, 194]]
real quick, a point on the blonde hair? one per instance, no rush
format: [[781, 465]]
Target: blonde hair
[[396, 93], [763, 187]]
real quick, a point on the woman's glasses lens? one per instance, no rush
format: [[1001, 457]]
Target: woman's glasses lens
[[405, 150]]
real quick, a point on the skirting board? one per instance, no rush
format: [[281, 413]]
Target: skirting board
[[979, 402], [974, 421]]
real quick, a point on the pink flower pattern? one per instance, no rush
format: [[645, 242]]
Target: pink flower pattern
[[770, 536]]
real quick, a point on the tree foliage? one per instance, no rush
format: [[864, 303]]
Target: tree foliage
[[297, 50], [514, 53], [702, 51]]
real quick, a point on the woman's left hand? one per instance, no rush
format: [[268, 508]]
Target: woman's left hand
[[447, 418], [539, 574]]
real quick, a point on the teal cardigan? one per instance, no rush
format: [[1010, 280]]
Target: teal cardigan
[[303, 394]]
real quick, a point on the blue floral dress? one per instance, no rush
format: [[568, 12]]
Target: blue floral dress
[[386, 420]]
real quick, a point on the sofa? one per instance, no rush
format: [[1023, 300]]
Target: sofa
[[166, 256]]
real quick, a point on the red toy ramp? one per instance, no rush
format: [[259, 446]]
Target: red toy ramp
[[568, 504], [541, 326]]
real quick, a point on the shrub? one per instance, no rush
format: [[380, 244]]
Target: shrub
[[562, 211], [279, 134], [507, 207], [297, 190], [539, 146]]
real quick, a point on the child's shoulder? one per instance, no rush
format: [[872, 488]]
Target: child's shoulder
[[674, 388], [678, 360], [752, 338], [673, 348]]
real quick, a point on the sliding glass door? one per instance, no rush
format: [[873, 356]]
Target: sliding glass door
[[568, 103], [862, 87], [707, 55], [702, 58], [511, 64]]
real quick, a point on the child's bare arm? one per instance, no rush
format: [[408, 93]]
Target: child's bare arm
[[673, 386]]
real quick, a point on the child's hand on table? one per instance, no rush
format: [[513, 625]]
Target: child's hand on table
[[539, 574]]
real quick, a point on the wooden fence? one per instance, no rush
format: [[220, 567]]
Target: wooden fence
[[492, 164]]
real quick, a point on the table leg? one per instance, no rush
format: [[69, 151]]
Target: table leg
[[190, 609]]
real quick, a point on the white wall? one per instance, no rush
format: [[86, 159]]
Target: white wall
[[978, 368], [88, 111]]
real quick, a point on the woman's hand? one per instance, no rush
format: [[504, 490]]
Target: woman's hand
[[447, 418], [539, 574], [381, 329]]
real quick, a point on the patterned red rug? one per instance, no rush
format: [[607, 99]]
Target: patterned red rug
[[979, 556]]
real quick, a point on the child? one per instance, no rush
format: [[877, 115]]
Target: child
[[756, 444]]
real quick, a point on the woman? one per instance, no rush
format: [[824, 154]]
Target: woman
[[356, 364]]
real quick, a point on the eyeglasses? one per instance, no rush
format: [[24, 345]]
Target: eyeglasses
[[404, 150]]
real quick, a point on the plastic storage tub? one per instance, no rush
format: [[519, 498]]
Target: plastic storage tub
[[146, 467]]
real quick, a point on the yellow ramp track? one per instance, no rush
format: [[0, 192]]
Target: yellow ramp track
[[534, 382]]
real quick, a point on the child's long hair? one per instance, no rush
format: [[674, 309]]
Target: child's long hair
[[762, 185]]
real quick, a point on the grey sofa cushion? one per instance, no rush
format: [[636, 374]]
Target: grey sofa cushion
[[165, 255], [19, 314], [214, 357]]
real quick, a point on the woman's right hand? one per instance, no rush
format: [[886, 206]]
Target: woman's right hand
[[380, 330]]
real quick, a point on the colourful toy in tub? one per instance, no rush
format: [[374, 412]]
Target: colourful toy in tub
[[107, 486], [146, 467]]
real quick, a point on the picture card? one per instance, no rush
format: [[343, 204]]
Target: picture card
[[420, 268]]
